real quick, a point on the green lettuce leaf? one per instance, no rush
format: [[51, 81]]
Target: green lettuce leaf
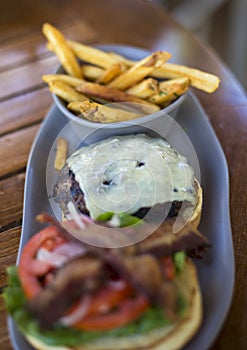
[[105, 216], [59, 335], [179, 260], [125, 219]]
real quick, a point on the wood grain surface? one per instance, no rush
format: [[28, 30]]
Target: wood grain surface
[[24, 101]]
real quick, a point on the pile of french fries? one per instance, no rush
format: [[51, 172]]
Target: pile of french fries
[[106, 77]]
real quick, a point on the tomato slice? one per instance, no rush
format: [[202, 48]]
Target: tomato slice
[[29, 268], [108, 298], [112, 308], [128, 311], [105, 299], [109, 308], [169, 268]]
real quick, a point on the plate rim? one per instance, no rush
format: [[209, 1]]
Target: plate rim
[[54, 109]]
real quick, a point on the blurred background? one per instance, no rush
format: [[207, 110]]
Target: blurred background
[[221, 23]]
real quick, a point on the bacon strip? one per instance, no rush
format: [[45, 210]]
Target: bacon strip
[[78, 277], [140, 265], [164, 242]]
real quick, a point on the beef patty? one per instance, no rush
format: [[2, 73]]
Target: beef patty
[[68, 189]]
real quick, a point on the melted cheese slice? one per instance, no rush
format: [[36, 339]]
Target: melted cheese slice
[[126, 173]]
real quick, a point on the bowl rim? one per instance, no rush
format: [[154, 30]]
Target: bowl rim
[[147, 118]]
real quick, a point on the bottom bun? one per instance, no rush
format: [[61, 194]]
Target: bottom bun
[[170, 337]]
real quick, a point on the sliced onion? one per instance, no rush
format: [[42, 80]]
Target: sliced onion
[[117, 285], [40, 268], [79, 312], [115, 221], [60, 255], [86, 219], [53, 258], [70, 249], [75, 216]]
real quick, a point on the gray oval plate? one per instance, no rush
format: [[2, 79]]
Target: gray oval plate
[[216, 270]]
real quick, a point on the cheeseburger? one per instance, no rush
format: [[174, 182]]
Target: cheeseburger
[[135, 174]]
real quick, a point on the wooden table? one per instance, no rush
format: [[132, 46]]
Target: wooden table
[[24, 100]]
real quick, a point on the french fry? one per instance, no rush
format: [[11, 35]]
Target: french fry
[[140, 70], [49, 46], [110, 73], [92, 55], [169, 90], [201, 80], [92, 73], [122, 59], [110, 94], [66, 92], [72, 81], [103, 114], [74, 106], [61, 48], [61, 153], [144, 89]]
